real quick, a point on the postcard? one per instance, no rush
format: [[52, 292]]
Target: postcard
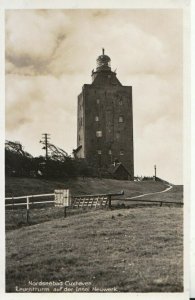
[[95, 149]]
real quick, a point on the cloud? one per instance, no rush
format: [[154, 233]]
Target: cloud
[[34, 43], [58, 42], [50, 55], [36, 104]]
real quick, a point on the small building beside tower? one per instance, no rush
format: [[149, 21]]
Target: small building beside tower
[[105, 120]]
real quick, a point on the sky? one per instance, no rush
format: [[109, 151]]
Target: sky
[[50, 55]]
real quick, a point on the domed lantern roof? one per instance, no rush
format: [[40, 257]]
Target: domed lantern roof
[[103, 62]]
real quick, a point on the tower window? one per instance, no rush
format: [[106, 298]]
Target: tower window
[[118, 135], [99, 133], [98, 101], [120, 119], [121, 152], [96, 118], [99, 152], [120, 102], [110, 152]]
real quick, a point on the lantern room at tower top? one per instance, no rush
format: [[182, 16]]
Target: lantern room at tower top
[[105, 120], [103, 62], [103, 71]]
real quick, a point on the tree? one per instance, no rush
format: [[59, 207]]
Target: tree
[[17, 161]]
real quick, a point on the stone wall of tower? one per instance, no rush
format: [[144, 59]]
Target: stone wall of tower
[[106, 110]]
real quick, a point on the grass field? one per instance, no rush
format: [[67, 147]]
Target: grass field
[[134, 250], [28, 186], [126, 250]]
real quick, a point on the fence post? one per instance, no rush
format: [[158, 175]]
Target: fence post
[[109, 201], [27, 209], [66, 201], [64, 211], [12, 203]]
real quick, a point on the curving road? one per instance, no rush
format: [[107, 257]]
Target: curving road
[[164, 191]]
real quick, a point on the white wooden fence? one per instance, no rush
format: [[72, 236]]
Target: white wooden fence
[[77, 201], [28, 203], [62, 198]]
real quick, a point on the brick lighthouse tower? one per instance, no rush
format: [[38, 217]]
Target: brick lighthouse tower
[[105, 120]]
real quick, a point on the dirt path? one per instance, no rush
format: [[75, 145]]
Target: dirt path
[[164, 191]]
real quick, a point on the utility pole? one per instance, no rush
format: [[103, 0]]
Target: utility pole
[[44, 141], [155, 172]]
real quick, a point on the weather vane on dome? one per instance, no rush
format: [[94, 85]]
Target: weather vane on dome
[[103, 51]]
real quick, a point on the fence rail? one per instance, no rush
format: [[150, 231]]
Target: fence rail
[[28, 202], [30, 196], [101, 195], [82, 201], [150, 201]]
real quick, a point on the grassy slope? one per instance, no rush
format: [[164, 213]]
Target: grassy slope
[[135, 250], [28, 186]]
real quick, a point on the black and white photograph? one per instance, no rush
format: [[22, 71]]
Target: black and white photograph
[[94, 150]]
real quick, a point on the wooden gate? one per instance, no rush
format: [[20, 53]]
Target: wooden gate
[[90, 201], [101, 200]]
